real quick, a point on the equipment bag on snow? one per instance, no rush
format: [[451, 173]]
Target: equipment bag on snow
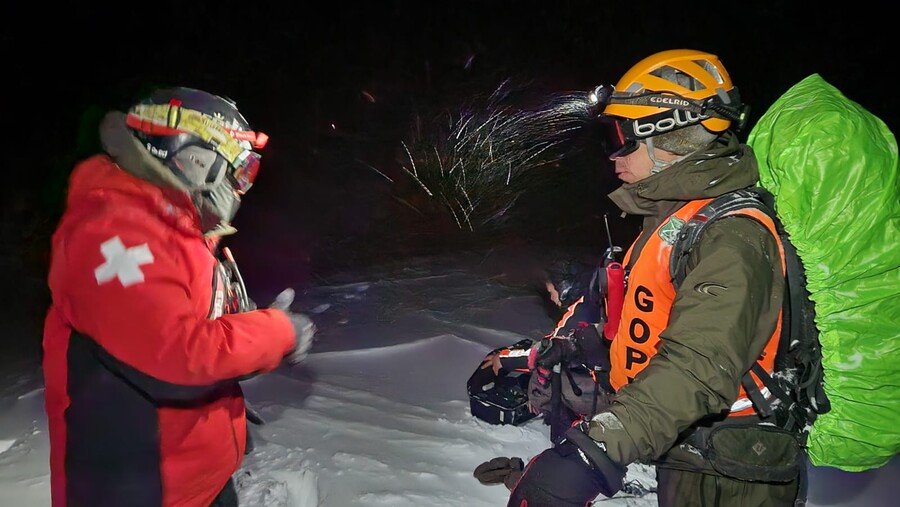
[[501, 398], [832, 168]]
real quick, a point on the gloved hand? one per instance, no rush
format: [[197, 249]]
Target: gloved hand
[[567, 476], [553, 350], [500, 470], [513, 357], [304, 328]]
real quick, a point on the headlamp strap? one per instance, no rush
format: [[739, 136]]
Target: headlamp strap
[[714, 106], [171, 119], [659, 100]]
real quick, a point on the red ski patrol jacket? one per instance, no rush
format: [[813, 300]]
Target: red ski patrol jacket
[[141, 384]]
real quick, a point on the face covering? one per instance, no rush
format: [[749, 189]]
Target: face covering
[[204, 172], [659, 165], [217, 208]]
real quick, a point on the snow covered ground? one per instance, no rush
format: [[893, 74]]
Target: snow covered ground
[[378, 415]]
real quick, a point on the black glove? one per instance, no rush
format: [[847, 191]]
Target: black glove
[[554, 350], [304, 329], [566, 476]]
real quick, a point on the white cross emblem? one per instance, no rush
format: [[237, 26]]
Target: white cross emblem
[[124, 264]]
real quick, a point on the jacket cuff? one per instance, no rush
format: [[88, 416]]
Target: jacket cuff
[[284, 333], [594, 452], [607, 428]]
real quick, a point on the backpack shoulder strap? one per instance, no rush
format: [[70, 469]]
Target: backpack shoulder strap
[[799, 351], [720, 206]]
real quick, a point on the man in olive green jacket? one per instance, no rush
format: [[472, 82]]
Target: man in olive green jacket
[[682, 349]]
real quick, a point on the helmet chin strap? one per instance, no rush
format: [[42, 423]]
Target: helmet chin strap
[[659, 165]]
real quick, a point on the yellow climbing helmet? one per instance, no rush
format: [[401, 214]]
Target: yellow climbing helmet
[[671, 90]]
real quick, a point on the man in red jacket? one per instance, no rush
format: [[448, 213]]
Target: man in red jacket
[[149, 329]]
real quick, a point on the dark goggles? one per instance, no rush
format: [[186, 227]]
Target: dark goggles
[[613, 133], [614, 139], [244, 174]]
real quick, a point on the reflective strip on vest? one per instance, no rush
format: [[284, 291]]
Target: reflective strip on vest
[[649, 297], [563, 322]]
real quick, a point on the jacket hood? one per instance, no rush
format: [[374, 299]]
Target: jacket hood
[[128, 153], [99, 181], [723, 166]]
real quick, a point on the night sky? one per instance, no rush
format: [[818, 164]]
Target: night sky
[[337, 86]]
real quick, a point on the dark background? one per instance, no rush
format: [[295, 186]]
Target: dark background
[[299, 71]]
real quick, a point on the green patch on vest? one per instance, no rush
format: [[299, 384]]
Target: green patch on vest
[[669, 230]]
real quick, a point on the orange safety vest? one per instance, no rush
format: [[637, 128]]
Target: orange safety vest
[[648, 302]]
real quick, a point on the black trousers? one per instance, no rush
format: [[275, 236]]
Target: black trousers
[[227, 497]]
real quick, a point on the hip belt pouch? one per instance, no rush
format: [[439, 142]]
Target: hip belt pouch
[[755, 453]]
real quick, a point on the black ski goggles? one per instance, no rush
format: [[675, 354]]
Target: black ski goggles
[[615, 141]]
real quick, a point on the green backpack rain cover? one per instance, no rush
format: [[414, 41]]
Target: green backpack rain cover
[[832, 167]]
